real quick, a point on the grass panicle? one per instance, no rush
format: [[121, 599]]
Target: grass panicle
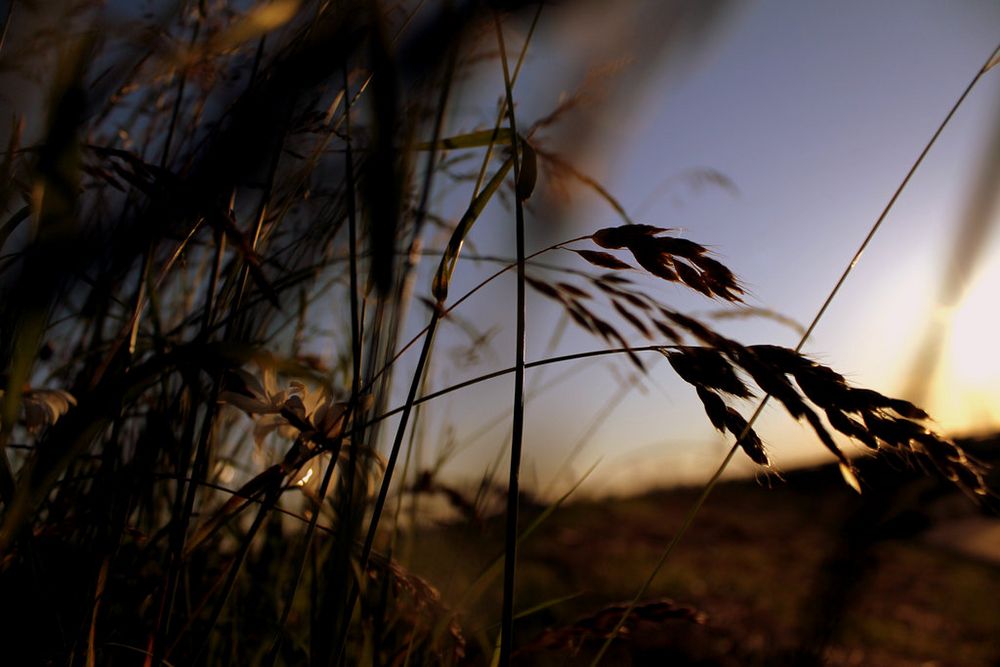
[[220, 224]]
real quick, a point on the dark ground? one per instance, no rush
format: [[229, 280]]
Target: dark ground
[[805, 572]]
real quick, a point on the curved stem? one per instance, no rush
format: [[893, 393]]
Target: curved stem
[[464, 297], [531, 364]]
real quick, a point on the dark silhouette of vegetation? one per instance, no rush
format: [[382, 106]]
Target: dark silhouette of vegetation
[[183, 478]]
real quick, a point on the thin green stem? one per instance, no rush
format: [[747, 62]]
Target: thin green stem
[[469, 294], [531, 364], [517, 425]]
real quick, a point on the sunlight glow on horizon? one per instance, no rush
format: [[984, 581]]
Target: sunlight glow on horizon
[[966, 391], [814, 113]]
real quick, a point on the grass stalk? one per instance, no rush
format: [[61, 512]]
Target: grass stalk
[[271, 497], [575, 356], [465, 297], [517, 419], [191, 206], [418, 375], [714, 480]]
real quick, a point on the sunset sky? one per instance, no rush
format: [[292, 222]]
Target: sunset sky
[[814, 112], [773, 132]]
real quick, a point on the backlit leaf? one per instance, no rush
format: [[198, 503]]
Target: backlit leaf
[[850, 477], [443, 276], [478, 139]]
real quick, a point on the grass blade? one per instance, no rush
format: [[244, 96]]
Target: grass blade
[[517, 419], [448, 261], [478, 139]]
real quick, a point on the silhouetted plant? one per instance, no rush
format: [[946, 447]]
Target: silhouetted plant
[[200, 198]]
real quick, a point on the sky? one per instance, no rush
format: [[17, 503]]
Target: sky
[[807, 115], [813, 112]]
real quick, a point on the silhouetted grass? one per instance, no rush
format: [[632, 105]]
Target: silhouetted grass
[[185, 478]]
